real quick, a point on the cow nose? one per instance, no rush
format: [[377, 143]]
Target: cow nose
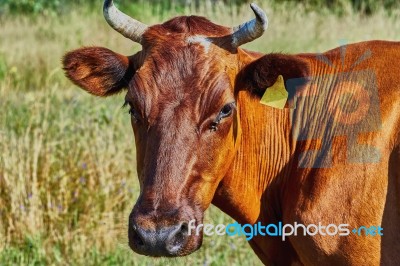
[[166, 241]]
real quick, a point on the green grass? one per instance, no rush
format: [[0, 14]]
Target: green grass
[[67, 160]]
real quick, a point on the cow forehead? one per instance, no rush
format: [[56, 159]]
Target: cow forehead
[[182, 60], [186, 46], [177, 79], [181, 67], [180, 78], [203, 41]]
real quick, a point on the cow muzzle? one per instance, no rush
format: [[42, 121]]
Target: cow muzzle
[[162, 235], [167, 241]]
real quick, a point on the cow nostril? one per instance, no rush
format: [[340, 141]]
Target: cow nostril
[[137, 238], [181, 233], [178, 238], [184, 228]]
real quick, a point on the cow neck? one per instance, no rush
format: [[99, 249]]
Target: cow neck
[[261, 161]]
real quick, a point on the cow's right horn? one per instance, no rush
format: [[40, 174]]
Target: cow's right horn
[[127, 26], [252, 29]]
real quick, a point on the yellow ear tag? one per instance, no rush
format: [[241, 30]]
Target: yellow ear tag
[[276, 95]]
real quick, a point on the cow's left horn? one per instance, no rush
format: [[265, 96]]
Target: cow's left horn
[[127, 26], [252, 29]]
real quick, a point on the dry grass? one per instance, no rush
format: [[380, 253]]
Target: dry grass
[[67, 162]]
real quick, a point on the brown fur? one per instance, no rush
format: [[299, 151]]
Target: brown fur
[[99, 70]]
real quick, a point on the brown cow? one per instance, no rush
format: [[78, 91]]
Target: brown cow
[[331, 156]]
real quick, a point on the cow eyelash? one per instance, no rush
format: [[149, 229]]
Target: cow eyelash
[[132, 111], [214, 126]]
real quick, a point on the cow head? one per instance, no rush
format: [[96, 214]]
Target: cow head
[[180, 93]]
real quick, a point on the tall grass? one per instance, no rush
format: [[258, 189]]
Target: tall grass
[[62, 6], [67, 160]]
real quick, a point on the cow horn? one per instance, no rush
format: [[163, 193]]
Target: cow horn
[[127, 26], [252, 29]]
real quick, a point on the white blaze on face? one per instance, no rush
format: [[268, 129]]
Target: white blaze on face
[[202, 40]]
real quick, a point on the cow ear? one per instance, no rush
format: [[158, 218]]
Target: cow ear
[[264, 72], [98, 70]]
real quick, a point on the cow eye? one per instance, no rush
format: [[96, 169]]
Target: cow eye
[[134, 114], [226, 110], [132, 111]]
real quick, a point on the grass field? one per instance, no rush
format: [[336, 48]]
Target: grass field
[[67, 159]]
